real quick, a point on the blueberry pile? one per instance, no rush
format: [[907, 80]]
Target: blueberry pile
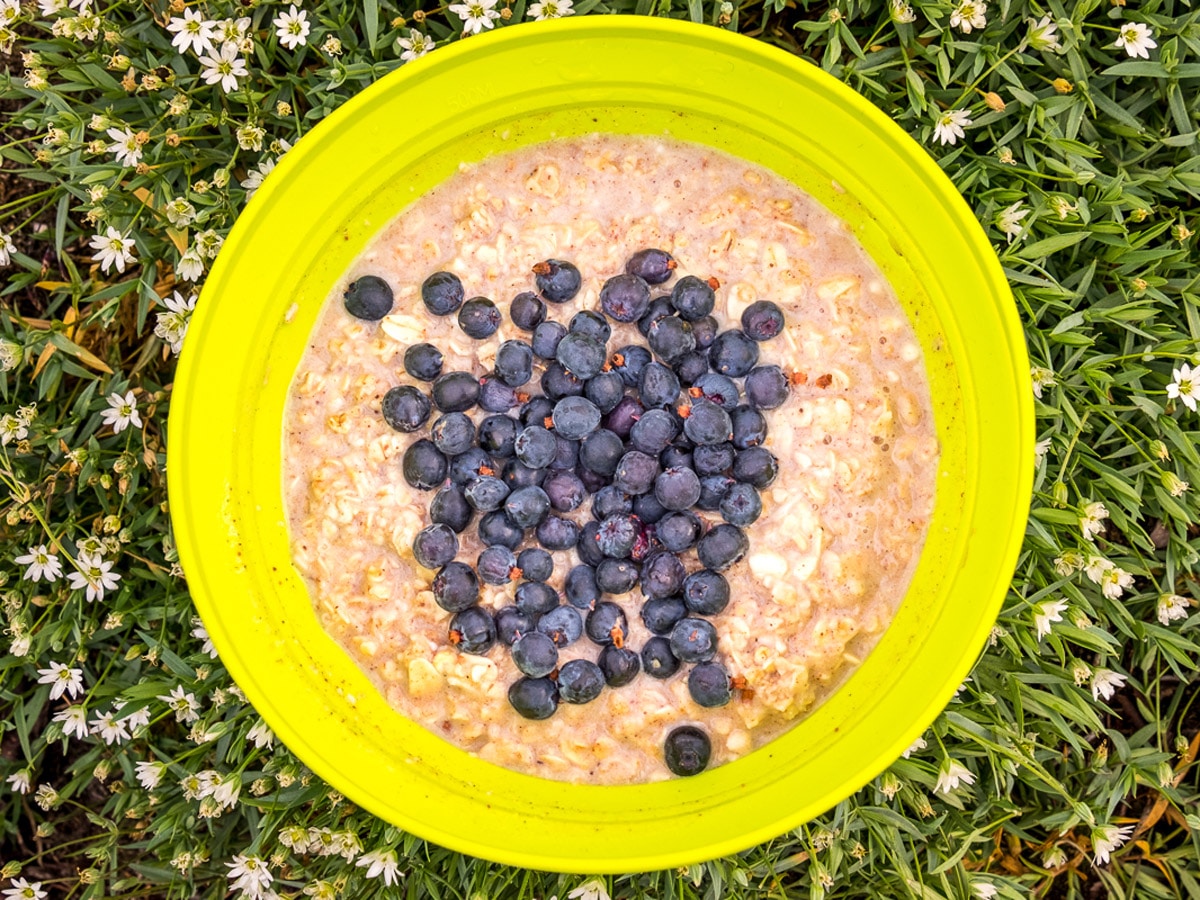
[[646, 459]]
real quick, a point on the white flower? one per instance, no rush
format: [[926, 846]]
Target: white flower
[[7, 247], [1172, 607], [1043, 35], [249, 874], [261, 735], [231, 31], [24, 890], [180, 213], [1186, 386], [192, 787], [551, 9], [1041, 448], [295, 838], [1042, 378], [1136, 39], [9, 11], [149, 774], [135, 719], [192, 31], [112, 250], [1108, 838], [208, 243], [110, 728], [1046, 613], [292, 28], [226, 67], [42, 564], [1105, 683], [918, 744], [19, 781], [346, 845], [190, 266], [1114, 582], [381, 862], [1009, 220], [125, 145], [224, 789], [94, 575], [46, 797], [969, 14], [950, 775], [415, 45], [250, 136], [1173, 484], [63, 679], [590, 890], [948, 127], [1091, 520], [12, 429], [476, 15], [122, 412], [73, 720], [172, 325], [20, 645], [201, 633], [253, 181], [183, 704], [902, 13], [984, 890]]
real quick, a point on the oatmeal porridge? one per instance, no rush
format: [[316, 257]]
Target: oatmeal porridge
[[829, 518]]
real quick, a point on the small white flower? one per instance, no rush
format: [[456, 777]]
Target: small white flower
[[7, 248], [63, 679], [122, 412], [136, 719], [261, 735], [1043, 35], [292, 28], [190, 266], [225, 67], [112, 249], [1091, 520], [1042, 378], [918, 744], [192, 786], [12, 429], [208, 243], [231, 31], [381, 862], [902, 13], [1136, 39], [415, 45], [46, 797], [224, 789], [201, 633], [149, 774], [24, 890], [20, 645], [249, 874], [551, 9], [111, 729], [254, 179], [250, 136], [950, 775], [94, 575], [1054, 857], [1172, 607], [51, 7], [9, 11], [1114, 581], [183, 704], [1046, 613], [346, 845], [180, 213], [984, 890], [948, 127], [1041, 448], [969, 14], [294, 838], [590, 890], [1081, 673], [73, 720], [476, 15], [1108, 838], [172, 325], [42, 564], [192, 31], [19, 781], [125, 145], [1105, 683], [1185, 386], [1009, 220], [1173, 484]]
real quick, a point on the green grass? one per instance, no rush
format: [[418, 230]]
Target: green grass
[[1097, 148]]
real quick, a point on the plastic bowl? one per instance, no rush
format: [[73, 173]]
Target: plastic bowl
[[406, 133]]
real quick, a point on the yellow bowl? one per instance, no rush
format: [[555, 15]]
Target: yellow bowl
[[403, 135]]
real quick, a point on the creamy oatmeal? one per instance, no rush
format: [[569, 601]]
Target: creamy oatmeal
[[842, 526]]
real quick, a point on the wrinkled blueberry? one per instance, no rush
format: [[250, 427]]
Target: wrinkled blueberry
[[472, 463], [423, 362], [651, 265], [495, 565], [473, 631], [455, 392], [625, 298], [706, 592], [635, 472], [557, 279], [611, 501], [487, 493], [657, 659], [581, 355], [762, 320], [713, 489], [616, 536], [662, 575], [535, 446], [535, 564], [606, 624], [442, 293], [534, 698], [719, 389], [670, 338], [732, 353], [405, 408], [694, 640], [563, 625], [565, 490], [575, 417], [534, 654], [495, 396], [713, 459], [435, 546], [620, 665], [722, 547], [368, 298], [527, 311], [580, 681], [455, 587], [424, 466]]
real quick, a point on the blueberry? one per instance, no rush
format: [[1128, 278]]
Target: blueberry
[[767, 387], [687, 750], [424, 466], [587, 546], [575, 417], [653, 431], [677, 456], [707, 423], [719, 389], [495, 565], [496, 436], [606, 624], [580, 587], [616, 576], [495, 529], [629, 362], [455, 587], [514, 363], [534, 698], [470, 464], [677, 489], [762, 320], [581, 355], [535, 446], [423, 362], [511, 623], [453, 433], [661, 614], [534, 654], [662, 575], [722, 547], [647, 508], [535, 598], [678, 531], [450, 507], [706, 592], [435, 546], [405, 408], [651, 265], [660, 307], [368, 298], [517, 475], [442, 293], [713, 459], [563, 625], [691, 366], [620, 665], [593, 481], [749, 427], [601, 451], [693, 298], [645, 544], [526, 507], [605, 390], [670, 338], [535, 564], [635, 472], [566, 454], [741, 506], [473, 631], [620, 420], [556, 533], [694, 640], [616, 536], [527, 311], [537, 411], [659, 386], [495, 396], [565, 490], [704, 330], [558, 280], [557, 382], [756, 466], [611, 501], [580, 681], [591, 324], [625, 298], [479, 318], [487, 493], [657, 658], [732, 353], [455, 392], [546, 338], [713, 489]]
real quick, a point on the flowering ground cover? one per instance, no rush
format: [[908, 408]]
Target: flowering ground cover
[[130, 764]]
